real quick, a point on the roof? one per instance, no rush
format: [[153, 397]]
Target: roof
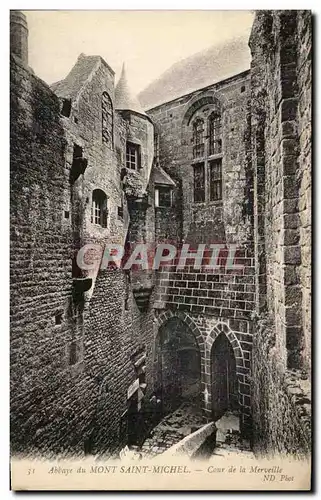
[[77, 77], [200, 70], [124, 99], [161, 177]]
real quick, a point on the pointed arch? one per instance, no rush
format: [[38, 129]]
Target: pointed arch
[[232, 338]]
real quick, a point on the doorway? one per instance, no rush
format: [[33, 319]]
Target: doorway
[[223, 378]]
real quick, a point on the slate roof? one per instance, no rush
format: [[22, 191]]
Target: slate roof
[[200, 70], [161, 177], [76, 78], [124, 99]]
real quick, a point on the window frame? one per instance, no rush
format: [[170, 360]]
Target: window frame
[[99, 208], [212, 117], [199, 189], [199, 137], [132, 146], [157, 197], [215, 179], [107, 120]]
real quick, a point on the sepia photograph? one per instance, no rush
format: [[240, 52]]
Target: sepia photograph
[[160, 249]]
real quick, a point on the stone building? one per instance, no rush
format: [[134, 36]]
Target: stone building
[[198, 159]]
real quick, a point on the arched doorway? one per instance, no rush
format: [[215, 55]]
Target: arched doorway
[[223, 377], [178, 366]]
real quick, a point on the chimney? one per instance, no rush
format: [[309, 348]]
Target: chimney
[[19, 35]]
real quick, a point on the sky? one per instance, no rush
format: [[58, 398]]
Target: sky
[[149, 42]]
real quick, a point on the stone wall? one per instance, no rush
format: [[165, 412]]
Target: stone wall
[[205, 330], [222, 294], [281, 143], [73, 358]]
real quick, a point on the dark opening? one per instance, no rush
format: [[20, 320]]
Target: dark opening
[[199, 183], [243, 88], [163, 196], [178, 366], [120, 212], [58, 318], [77, 151], [73, 353], [66, 107], [66, 214], [224, 380]]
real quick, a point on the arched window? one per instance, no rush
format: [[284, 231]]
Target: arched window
[[99, 212], [198, 138], [215, 133], [207, 153], [107, 120]]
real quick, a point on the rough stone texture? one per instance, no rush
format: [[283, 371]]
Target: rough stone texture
[[59, 405], [281, 402], [221, 294], [281, 154], [81, 339]]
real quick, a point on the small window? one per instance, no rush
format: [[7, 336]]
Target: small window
[[216, 180], [99, 212], [132, 156], [73, 355], [120, 212], [77, 151], [66, 107], [107, 119], [58, 319], [198, 138], [199, 183], [163, 196], [156, 148]]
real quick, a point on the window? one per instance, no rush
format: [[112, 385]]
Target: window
[[120, 212], [73, 354], [107, 119], [199, 183], [156, 148], [163, 196], [215, 134], [198, 138], [99, 208], [58, 318], [77, 151], [207, 152], [215, 180], [66, 107], [132, 156]]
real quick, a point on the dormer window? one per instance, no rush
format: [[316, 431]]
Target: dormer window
[[99, 211], [163, 196], [132, 156]]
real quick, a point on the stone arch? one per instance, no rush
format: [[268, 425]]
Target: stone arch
[[226, 330], [166, 315], [210, 97], [177, 361]]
